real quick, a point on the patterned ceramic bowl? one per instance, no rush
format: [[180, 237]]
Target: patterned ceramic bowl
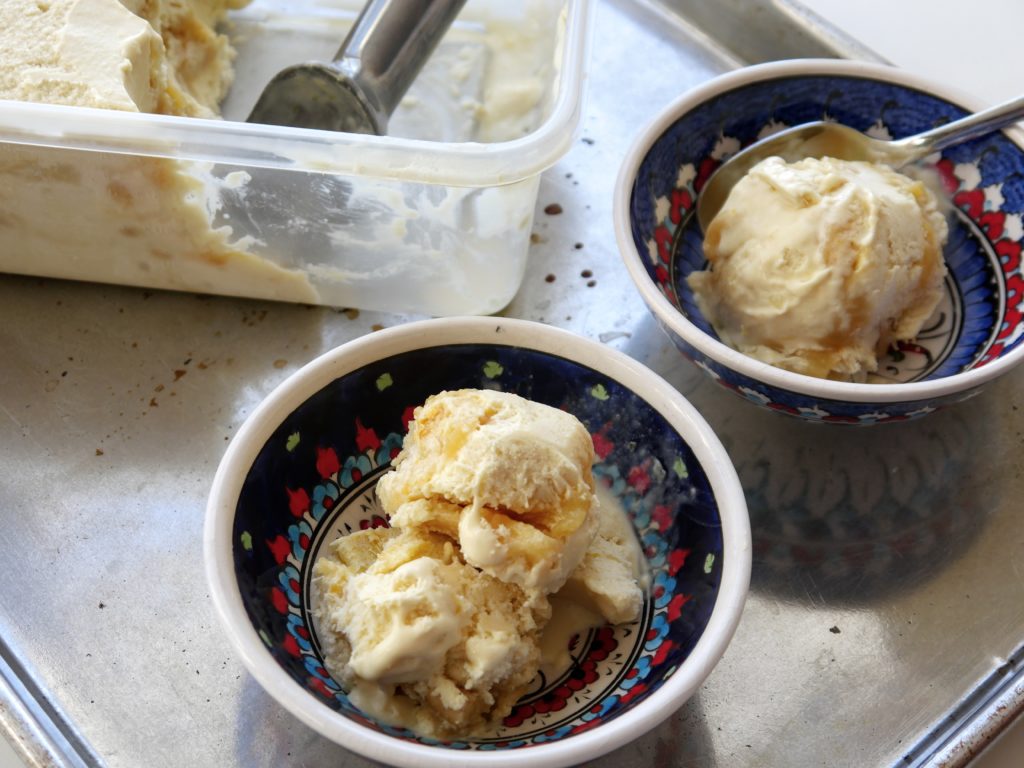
[[302, 471], [976, 333]]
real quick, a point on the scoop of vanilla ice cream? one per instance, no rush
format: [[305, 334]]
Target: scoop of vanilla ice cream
[[400, 611], [507, 478], [818, 266]]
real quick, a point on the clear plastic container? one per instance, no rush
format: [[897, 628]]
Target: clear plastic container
[[434, 218]]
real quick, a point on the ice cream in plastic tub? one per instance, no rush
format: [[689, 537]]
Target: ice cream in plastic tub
[[434, 218]]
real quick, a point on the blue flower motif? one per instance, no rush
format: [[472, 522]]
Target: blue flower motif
[[643, 669], [297, 629], [324, 497], [389, 447], [665, 588], [355, 468], [659, 628], [300, 535], [289, 580]]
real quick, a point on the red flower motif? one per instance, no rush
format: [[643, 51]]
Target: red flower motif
[[949, 179], [408, 415], [681, 202], [675, 607], [602, 446], [518, 715], [291, 645], [993, 223], [662, 517], [707, 166], [366, 439], [1012, 318], [633, 692], [663, 238], [661, 275], [279, 601], [972, 201], [639, 479], [320, 687], [280, 548], [374, 522], [298, 501], [676, 560], [1009, 255], [662, 653], [327, 463]]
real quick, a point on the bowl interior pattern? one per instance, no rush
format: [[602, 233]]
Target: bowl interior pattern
[[314, 480], [980, 317]]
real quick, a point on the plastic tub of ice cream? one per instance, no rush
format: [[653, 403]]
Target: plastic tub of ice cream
[[434, 218]]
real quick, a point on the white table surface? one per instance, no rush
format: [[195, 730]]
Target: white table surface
[[974, 47]]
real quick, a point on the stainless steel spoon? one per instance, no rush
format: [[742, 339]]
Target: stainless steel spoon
[[826, 139], [360, 88]]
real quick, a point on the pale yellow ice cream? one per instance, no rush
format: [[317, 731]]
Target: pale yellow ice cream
[[162, 56], [818, 266], [611, 578], [436, 624], [122, 218], [421, 638], [507, 478]]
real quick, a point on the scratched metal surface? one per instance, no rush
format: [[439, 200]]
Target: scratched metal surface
[[885, 607]]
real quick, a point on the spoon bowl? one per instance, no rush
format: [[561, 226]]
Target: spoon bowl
[[386, 48], [830, 139]]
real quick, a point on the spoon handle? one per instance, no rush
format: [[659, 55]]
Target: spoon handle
[[390, 42], [965, 128]]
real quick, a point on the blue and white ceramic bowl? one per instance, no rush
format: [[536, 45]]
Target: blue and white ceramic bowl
[[976, 334], [302, 471]]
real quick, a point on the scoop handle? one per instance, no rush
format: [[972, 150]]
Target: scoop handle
[[390, 42], [964, 129]]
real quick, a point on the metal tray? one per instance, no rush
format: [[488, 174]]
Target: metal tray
[[884, 624]]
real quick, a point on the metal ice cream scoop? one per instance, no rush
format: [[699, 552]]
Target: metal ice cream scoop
[[826, 139], [360, 88]]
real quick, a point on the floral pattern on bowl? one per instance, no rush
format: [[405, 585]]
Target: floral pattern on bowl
[[980, 318], [314, 480]]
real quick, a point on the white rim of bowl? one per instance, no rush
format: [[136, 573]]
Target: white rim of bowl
[[716, 350], [299, 386]]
